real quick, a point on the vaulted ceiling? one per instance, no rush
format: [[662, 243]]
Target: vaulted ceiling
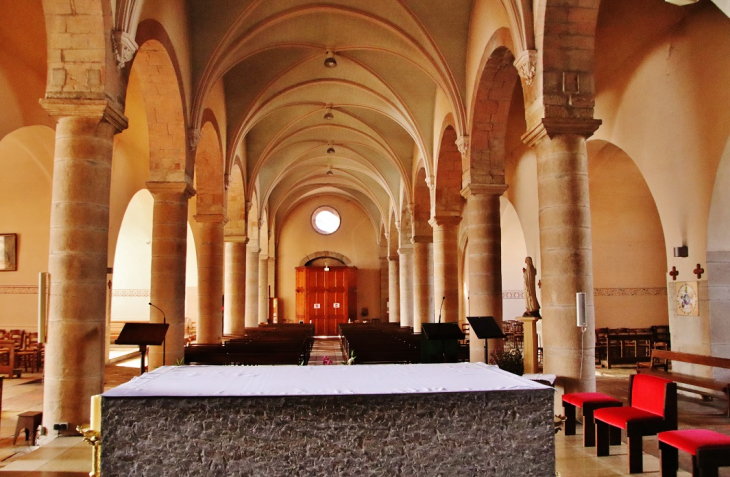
[[355, 129]]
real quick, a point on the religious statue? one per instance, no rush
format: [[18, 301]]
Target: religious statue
[[532, 306]]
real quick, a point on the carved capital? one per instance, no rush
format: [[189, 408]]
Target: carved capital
[[421, 239], [124, 47], [97, 109], [551, 127], [444, 220], [236, 239], [169, 187], [210, 218], [463, 143], [526, 65], [483, 189]]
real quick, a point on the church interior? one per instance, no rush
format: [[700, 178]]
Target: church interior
[[209, 164]]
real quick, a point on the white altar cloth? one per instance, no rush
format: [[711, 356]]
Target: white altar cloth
[[230, 381]]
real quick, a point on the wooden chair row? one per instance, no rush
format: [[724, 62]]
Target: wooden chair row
[[265, 345], [376, 343]]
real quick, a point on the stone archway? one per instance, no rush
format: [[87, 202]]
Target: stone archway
[[307, 260]]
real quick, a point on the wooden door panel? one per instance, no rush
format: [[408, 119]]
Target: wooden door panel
[[315, 286]]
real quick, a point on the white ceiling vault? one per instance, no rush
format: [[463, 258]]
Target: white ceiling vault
[[394, 59]]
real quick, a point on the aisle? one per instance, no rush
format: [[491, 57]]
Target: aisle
[[326, 347]]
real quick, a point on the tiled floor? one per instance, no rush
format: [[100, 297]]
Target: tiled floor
[[71, 454]]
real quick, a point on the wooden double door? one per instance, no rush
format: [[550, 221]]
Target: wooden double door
[[326, 298]]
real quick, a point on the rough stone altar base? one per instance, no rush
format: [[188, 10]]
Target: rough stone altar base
[[504, 433]]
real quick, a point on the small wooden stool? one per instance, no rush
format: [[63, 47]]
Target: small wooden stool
[[709, 449], [29, 422], [589, 402]]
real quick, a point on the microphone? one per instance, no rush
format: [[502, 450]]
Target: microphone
[[442, 307], [164, 318], [164, 342]]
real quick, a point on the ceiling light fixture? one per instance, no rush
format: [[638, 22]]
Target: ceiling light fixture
[[330, 61], [328, 113], [330, 150], [329, 172]]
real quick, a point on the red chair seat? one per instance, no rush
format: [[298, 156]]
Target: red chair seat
[[578, 399], [690, 440], [620, 416]]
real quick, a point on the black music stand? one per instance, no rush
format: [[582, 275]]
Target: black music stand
[[485, 328], [143, 335]]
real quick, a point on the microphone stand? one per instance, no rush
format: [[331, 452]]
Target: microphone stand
[[440, 309], [164, 320]]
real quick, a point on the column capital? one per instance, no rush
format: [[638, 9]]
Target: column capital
[[405, 249], [422, 239], [393, 258], [170, 187], [100, 109], [551, 127], [236, 239], [438, 220], [483, 189], [210, 218]]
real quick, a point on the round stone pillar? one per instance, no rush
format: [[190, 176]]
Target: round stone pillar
[[263, 288], [210, 278], [405, 261], [484, 255], [565, 249], [169, 257], [79, 239], [446, 267], [420, 282], [252, 284], [234, 309], [393, 290]]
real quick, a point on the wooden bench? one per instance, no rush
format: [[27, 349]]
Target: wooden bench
[[659, 359]]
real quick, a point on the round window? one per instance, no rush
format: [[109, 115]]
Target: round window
[[325, 220]]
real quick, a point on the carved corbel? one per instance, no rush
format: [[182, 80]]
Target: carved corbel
[[124, 47], [526, 65], [463, 143], [193, 137]]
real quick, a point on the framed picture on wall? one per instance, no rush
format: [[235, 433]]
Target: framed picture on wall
[[8, 252]]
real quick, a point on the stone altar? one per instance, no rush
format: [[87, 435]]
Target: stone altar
[[420, 420]]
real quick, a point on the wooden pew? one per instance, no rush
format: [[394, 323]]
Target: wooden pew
[[375, 343], [660, 367]]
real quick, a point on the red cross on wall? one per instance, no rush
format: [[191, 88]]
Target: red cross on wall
[[674, 273], [698, 271]]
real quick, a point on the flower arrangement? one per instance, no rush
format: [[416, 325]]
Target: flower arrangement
[[510, 361], [326, 360]]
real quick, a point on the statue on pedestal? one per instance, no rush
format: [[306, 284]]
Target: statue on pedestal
[[531, 303]]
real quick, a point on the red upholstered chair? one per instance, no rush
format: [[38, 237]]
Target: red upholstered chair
[[589, 402], [652, 409], [709, 449]]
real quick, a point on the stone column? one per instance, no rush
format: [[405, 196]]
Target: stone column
[[263, 288], [77, 263], [565, 248], [252, 283], [485, 260], [420, 282], [393, 290], [405, 260], [210, 278], [446, 267], [169, 257], [234, 308], [384, 288]]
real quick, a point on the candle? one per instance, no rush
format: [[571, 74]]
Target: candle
[[95, 413]]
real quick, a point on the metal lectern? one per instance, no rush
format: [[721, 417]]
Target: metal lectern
[[485, 328], [143, 335], [440, 342]]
